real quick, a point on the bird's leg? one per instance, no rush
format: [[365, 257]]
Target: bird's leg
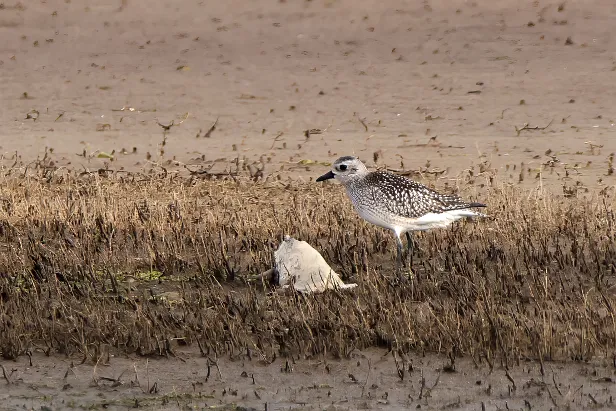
[[409, 247], [399, 257]]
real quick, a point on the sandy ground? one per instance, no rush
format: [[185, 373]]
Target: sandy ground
[[442, 84], [369, 380], [437, 85]]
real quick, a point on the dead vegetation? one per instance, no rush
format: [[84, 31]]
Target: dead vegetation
[[93, 263]]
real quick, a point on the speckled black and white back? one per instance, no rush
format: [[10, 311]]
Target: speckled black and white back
[[402, 196]]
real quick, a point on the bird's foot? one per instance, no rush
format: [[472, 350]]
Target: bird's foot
[[405, 275]]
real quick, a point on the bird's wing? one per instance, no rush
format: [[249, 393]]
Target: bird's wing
[[411, 199]]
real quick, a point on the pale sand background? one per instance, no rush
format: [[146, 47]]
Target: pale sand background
[[405, 66]]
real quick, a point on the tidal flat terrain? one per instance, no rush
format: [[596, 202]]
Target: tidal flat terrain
[[153, 154]]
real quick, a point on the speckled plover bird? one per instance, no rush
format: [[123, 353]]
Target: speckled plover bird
[[397, 203]]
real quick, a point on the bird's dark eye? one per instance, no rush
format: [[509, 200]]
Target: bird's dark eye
[[343, 167]]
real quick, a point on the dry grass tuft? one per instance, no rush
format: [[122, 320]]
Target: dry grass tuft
[[92, 263]]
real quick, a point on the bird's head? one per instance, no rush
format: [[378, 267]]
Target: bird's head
[[345, 169]]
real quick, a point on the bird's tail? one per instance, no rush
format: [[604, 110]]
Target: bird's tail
[[477, 213], [467, 212]]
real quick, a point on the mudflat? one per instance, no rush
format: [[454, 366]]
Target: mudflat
[[120, 118], [432, 86]]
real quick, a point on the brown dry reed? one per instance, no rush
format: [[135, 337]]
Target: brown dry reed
[[97, 263]]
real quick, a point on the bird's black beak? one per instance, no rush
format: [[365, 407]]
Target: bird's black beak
[[326, 176]]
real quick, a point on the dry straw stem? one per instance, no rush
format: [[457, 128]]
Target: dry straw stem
[[91, 264]]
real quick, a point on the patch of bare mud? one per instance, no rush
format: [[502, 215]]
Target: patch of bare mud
[[436, 87], [372, 379]]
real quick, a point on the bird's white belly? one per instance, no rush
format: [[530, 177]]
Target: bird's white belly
[[403, 224], [376, 218], [440, 220]]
